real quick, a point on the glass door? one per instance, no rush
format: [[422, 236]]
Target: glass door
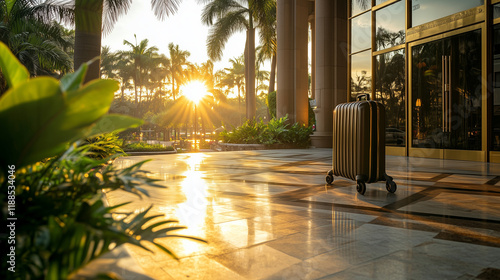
[[446, 96]]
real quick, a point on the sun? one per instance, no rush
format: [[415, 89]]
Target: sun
[[195, 90]]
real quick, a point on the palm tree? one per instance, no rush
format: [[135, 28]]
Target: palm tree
[[229, 16], [218, 91], [125, 73], [269, 45], [175, 66], [92, 16], [27, 28], [108, 63], [235, 77], [138, 56], [262, 77], [157, 74], [206, 73]]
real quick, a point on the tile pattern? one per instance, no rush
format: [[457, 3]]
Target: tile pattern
[[270, 215]]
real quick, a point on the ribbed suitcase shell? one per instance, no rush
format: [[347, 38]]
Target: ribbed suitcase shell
[[359, 141]]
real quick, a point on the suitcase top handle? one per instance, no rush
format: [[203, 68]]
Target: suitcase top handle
[[363, 96]]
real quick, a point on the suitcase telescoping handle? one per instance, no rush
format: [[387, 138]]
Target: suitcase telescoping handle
[[365, 96]]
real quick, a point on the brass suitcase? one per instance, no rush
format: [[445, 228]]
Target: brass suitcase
[[359, 144]]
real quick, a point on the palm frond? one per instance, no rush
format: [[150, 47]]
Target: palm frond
[[164, 8], [217, 9], [59, 10], [112, 10], [222, 30]]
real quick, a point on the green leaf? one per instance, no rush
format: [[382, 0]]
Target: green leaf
[[89, 103], [10, 4], [113, 123], [13, 71], [74, 80], [43, 120]]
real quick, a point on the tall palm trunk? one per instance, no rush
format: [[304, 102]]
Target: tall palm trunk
[[88, 26], [136, 81], [245, 62], [173, 85], [141, 91], [250, 77], [272, 75], [239, 104]]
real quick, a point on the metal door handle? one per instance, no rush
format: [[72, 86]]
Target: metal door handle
[[449, 94], [446, 92], [444, 98]]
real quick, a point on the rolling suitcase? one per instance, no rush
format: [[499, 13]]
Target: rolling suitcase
[[359, 144]]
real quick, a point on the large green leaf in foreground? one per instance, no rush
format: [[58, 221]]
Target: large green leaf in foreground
[[14, 71], [113, 123], [40, 119], [40, 116]]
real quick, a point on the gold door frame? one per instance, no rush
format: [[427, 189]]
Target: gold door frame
[[494, 155], [480, 155]]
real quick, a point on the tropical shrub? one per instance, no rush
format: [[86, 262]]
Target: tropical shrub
[[248, 133], [52, 184], [299, 135], [145, 147], [104, 145], [271, 104], [277, 131], [206, 145]]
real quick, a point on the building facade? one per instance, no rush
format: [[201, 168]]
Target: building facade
[[434, 64]]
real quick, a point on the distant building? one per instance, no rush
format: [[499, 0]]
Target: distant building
[[434, 64]]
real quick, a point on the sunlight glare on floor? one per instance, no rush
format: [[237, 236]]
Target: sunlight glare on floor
[[193, 211]]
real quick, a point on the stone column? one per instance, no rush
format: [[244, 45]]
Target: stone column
[[301, 62], [285, 57], [292, 73], [331, 66], [313, 56]]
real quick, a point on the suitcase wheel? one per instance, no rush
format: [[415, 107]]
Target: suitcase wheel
[[391, 186], [361, 187], [329, 179]]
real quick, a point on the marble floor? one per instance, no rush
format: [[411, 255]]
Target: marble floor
[[270, 215]]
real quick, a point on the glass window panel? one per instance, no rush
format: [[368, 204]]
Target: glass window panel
[[428, 10], [390, 91], [426, 100], [378, 2], [361, 32], [390, 26], [446, 93], [496, 88], [496, 10], [358, 6], [361, 74]]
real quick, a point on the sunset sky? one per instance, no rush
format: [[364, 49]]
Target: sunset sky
[[183, 28]]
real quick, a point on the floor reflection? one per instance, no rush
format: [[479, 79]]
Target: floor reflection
[[270, 215]]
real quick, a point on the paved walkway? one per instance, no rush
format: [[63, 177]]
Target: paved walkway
[[269, 215]]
